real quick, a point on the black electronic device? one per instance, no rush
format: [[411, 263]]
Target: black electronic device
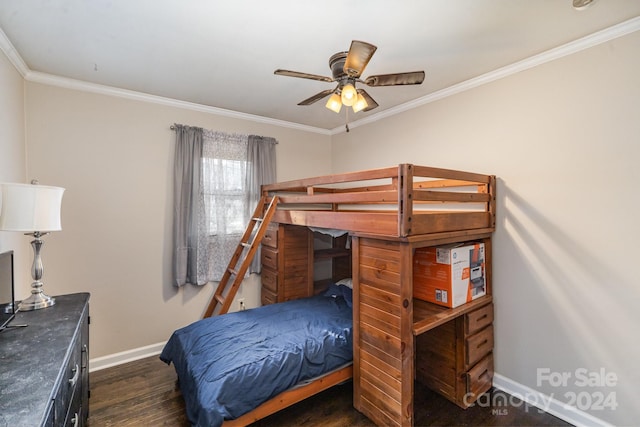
[[7, 293]]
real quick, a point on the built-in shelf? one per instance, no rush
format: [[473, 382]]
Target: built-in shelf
[[331, 253], [427, 315]]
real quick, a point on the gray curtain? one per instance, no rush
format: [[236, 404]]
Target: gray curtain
[[188, 202], [261, 169]]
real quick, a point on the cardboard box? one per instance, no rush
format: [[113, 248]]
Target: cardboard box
[[449, 275]]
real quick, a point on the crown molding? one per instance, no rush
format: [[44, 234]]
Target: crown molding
[[14, 57], [603, 36], [67, 83]]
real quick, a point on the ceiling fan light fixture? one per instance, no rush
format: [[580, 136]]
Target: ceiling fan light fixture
[[349, 95], [360, 104], [334, 103]]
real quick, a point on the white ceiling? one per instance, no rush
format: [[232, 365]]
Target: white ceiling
[[223, 53]]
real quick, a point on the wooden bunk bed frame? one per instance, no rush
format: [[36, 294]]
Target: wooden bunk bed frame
[[389, 213]]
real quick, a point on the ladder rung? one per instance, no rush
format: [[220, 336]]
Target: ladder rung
[[245, 244], [232, 271], [257, 219], [220, 299]]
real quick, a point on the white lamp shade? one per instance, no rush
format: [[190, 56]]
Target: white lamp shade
[[30, 207]]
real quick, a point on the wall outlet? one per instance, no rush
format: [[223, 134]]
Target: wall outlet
[[241, 302]]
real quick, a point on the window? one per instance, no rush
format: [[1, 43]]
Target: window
[[225, 196], [217, 187]]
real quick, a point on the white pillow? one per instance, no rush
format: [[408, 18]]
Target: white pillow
[[346, 282]]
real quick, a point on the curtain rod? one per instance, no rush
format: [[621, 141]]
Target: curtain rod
[[172, 127]]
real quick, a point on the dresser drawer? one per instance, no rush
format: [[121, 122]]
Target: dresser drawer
[[71, 377], [270, 237], [270, 258], [478, 345], [479, 378], [478, 319], [269, 279]]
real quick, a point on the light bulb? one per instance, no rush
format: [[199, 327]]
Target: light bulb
[[360, 104], [349, 95], [334, 104]]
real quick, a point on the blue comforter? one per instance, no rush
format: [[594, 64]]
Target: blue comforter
[[228, 365]]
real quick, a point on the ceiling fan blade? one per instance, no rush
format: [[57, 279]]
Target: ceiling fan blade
[[317, 97], [371, 103], [358, 57], [413, 78], [289, 73]]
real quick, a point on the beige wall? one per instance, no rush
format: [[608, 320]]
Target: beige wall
[[114, 157], [563, 140], [13, 163]]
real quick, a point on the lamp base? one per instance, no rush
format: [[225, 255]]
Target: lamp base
[[37, 300]]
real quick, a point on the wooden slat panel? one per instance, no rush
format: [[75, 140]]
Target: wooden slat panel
[[373, 222], [381, 379], [443, 183], [378, 338], [343, 197], [334, 179], [449, 196], [366, 347], [429, 172], [384, 279], [373, 412], [386, 406], [380, 259], [376, 366], [380, 299], [380, 319], [437, 222]]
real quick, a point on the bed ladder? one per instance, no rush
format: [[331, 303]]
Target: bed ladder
[[234, 274]]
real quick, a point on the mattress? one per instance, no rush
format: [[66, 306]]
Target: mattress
[[228, 365]]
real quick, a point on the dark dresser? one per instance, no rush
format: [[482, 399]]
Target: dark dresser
[[44, 367]]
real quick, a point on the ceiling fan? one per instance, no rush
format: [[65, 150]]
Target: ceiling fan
[[346, 69]]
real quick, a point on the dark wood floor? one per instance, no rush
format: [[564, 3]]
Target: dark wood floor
[[144, 393]]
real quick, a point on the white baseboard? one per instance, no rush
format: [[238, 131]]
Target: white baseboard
[[548, 404], [108, 361]]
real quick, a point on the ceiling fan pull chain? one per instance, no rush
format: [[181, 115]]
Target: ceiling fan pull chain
[[346, 120]]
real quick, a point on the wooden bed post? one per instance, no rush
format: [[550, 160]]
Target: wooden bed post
[[355, 277], [405, 199]]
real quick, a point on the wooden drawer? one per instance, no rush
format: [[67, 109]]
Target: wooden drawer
[[479, 379], [271, 237], [268, 297], [269, 279], [478, 345], [478, 319], [270, 258]]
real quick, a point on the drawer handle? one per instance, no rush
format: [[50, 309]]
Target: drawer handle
[[76, 373], [84, 359], [468, 385], [482, 343], [75, 420]]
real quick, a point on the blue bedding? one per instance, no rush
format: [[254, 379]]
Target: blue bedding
[[228, 365]]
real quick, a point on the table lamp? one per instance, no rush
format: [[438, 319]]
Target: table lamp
[[35, 210]]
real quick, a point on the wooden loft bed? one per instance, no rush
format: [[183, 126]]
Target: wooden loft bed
[[400, 201], [389, 213]]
